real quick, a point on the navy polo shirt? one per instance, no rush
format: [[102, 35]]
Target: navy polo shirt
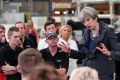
[[10, 56], [59, 60]]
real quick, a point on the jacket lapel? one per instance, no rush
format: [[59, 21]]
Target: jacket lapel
[[99, 38], [85, 37]]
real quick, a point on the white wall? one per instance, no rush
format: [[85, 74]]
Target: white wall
[[11, 18]]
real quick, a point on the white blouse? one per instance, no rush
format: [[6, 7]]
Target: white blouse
[[72, 62]]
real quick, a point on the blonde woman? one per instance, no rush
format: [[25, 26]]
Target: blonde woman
[[84, 73], [65, 37]]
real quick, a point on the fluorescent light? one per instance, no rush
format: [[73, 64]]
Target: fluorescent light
[[57, 12], [65, 12]]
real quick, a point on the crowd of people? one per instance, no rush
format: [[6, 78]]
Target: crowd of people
[[28, 57]]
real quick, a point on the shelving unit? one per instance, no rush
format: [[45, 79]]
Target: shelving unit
[[104, 8], [107, 9]]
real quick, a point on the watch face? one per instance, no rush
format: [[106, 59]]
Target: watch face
[[59, 61]]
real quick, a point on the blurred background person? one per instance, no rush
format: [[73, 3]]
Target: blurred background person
[[2, 43], [29, 39], [32, 30], [27, 60], [117, 62], [2, 36], [21, 27], [26, 40], [84, 73], [44, 72]]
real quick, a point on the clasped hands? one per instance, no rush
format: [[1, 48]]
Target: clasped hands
[[8, 69]]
